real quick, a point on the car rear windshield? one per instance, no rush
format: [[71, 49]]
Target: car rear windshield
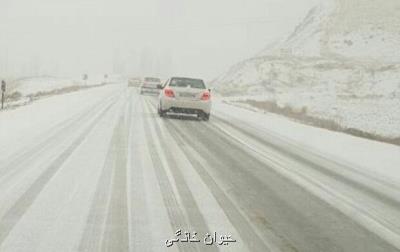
[[149, 79], [184, 82]]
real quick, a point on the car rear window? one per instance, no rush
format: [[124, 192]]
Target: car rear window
[[149, 79], [184, 82]]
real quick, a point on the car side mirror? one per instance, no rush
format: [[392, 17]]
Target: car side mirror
[[159, 86]]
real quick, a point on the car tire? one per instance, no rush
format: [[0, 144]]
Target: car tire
[[205, 117], [161, 113]]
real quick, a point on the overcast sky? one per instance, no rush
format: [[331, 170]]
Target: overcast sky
[[199, 38]]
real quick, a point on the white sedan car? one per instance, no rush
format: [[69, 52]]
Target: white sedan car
[[185, 95], [149, 86]]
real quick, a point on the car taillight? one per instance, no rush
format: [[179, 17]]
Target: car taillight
[[169, 92], [206, 96]]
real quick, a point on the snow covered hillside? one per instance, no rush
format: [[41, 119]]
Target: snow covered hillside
[[363, 29], [30, 86], [342, 64]]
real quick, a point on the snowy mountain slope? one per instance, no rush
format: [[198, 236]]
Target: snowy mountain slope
[[364, 29], [342, 63], [306, 38], [367, 29]]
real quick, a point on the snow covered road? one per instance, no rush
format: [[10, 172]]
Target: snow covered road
[[98, 170]]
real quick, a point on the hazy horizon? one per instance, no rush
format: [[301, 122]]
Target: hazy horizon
[[189, 37]]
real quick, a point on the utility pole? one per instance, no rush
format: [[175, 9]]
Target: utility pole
[[3, 90]]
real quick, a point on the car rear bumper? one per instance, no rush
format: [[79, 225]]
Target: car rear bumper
[[186, 106], [149, 90]]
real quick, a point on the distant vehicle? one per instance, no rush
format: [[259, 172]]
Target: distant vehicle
[[150, 86], [134, 82], [186, 96]]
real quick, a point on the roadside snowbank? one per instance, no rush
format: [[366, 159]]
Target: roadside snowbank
[[369, 157]]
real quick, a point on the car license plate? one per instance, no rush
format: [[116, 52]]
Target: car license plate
[[186, 95]]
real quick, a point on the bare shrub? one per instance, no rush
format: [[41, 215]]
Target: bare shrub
[[14, 96]]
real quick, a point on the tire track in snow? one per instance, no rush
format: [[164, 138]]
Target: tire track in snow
[[285, 206], [340, 172], [116, 236], [17, 210], [196, 218], [53, 137], [358, 199], [187, 133], [177, 215], [141, 233], [107, 225], [253, 241]]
